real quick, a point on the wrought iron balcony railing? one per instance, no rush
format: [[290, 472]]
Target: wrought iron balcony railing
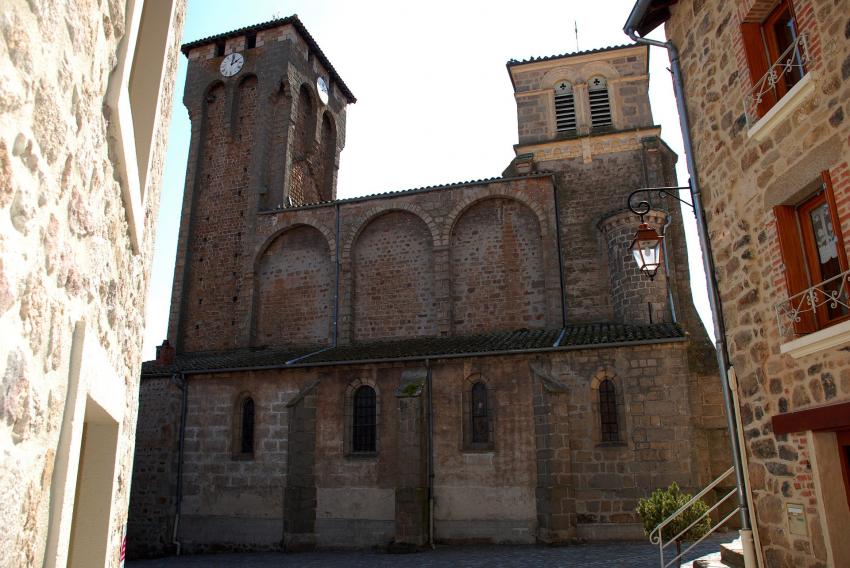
[[782, 74], [832, 295]]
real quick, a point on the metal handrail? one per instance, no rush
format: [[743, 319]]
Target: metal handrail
[[656, 536], [795, 56], [832, 293], [696, 497]]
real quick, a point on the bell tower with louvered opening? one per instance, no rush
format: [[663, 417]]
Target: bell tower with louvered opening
[[586, 118]]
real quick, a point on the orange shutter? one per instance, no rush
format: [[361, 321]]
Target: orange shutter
[[796, 279], [757, 62]]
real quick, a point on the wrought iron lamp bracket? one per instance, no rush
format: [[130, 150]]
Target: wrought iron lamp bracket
[[641, 208]]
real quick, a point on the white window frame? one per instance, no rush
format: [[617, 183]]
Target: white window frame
[[135, 109]]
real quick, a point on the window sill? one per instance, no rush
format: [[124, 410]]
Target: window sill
[[361, 455], [822, 340], [782, 109], [478, 450]]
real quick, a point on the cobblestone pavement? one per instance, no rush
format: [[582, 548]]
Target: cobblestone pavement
[[614, 554]]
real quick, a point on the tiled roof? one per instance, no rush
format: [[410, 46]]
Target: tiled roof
[[513, 62], [452, 185], [293, 19], [518, 341]]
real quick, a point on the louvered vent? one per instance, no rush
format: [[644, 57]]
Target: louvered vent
[[600, 104], [565, 107]]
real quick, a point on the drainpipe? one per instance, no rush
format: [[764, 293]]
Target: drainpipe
[[430, 403], [560, 254], [336, 281], [723, 360], [179, 380]]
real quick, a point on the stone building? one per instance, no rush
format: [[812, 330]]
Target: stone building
[[85, 103], [478, 361], [767, 88]]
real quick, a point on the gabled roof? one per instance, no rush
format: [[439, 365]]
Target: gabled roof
[[398, 192], [579, 336], [294, 21], [514, 62]]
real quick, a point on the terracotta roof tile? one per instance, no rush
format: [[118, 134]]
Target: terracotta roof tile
[[293, 19], [517, 341], [514, 62]]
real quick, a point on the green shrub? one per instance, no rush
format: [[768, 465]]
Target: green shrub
[[663, 503]]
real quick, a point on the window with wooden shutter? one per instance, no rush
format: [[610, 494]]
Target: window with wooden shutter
[[776, 57], [814, 258]]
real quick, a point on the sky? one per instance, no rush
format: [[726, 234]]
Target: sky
[[434, 100]]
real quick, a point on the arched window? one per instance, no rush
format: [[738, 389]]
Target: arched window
[[480, 414], [565, 107], [600, 104], [608, 411], [364, 420]]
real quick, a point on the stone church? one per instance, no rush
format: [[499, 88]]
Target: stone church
[[475, 362]]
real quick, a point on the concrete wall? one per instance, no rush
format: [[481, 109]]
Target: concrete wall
[[76, 239], [743, 177]]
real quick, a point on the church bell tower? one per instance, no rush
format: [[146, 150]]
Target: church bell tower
[[268, 125]]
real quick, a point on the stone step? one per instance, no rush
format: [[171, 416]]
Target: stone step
[[732, 553], [709, 561]]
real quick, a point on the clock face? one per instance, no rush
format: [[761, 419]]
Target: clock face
[[232, 64], [322, 88]]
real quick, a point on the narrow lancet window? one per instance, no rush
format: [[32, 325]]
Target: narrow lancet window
[[364, 427], [480, 414], [608, 412], [247, 438]]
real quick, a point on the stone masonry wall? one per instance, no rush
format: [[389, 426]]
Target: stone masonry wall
[[548, 475], [152, 501], [403, 260], [498, 277], [624, 69], [218, 483], [215, 276], [243, 164], [65, 249], [743, 178], [294, 294], [393, 273]]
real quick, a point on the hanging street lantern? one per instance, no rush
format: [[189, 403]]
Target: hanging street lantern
[[647, 246], [647, 250]]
